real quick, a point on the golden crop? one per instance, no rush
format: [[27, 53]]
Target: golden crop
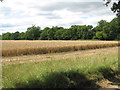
[[14, 48]]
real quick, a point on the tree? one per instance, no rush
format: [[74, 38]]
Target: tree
[[74, 35], [104, 31], [16, 35], [114, 28], [99, 35], [0, 37], [51, 33], [7, 36], [22, 36], [115, 7], [44, 35], [59, 34], [84, 32], [32, 33]]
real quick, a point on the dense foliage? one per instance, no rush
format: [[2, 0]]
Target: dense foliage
[[103, 31], [115, 7]]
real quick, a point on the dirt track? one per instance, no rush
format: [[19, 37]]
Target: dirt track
[[56, 56]]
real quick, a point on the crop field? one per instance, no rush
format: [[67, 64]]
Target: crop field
[[81, 64], [15, 48]]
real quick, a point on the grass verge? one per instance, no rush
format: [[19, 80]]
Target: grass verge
[[69, 73]]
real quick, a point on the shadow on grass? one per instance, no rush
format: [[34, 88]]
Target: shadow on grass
[[111, 75], [71, 79]]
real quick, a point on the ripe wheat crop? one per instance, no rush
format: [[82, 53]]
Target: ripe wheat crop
[[14, 48]]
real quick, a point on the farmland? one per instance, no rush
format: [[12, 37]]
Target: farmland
[[63, 69], [20, 44], [60, 44], [15, 48]]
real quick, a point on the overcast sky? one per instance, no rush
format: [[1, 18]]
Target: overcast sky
[[18, 15]]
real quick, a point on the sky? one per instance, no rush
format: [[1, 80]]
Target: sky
[[18, 15]]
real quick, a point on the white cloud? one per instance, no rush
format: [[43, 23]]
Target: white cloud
[[22, 14]]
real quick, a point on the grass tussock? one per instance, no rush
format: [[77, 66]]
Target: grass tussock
[[44, 50]]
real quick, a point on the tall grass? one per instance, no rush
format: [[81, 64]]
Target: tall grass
[[44, 50], [79, 72]]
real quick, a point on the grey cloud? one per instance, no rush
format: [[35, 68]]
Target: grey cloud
[[72, 6], [77, 22], [84, 7], [45, 14], [54, 17], [9, 13], [49, 15], [5, 10], [7, 25]]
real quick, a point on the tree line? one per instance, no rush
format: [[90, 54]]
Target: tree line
[[103, 31]]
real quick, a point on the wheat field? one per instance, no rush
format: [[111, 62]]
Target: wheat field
[[60, 69], [20, 47]]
